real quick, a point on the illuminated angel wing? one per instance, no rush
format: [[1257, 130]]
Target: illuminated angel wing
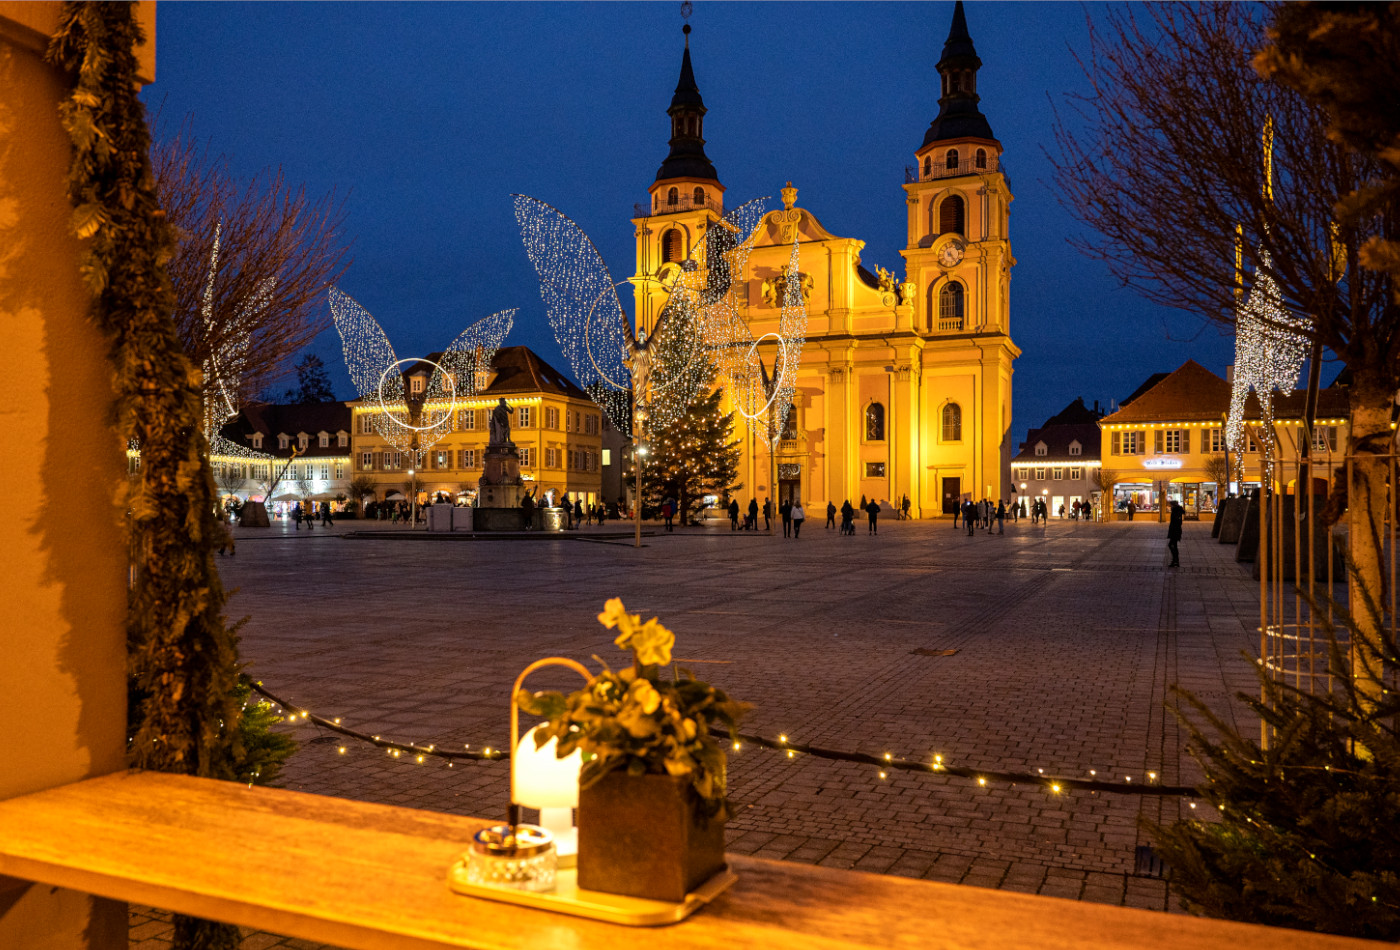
[[580, 298], [226, 363], [468, 358], [763, 398], [368, 353]]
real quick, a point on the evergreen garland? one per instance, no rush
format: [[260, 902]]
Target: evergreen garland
[[1307, 836], [186, 707]]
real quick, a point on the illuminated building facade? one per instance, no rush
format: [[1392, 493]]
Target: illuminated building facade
[[905, 385]]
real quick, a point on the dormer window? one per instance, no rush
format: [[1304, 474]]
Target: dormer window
[[1075, 448], [483, 378], [256, 439], [283, 440], [342, 439], [303, 440], [1040, 448], [415, 385], [323, 439]]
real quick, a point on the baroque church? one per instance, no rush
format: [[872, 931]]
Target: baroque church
[[905, 386]]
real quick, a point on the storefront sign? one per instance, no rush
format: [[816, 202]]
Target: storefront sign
[[1161, 463]]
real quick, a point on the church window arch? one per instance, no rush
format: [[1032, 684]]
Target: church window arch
[[928, 166], [952, 215], [952, 303], [672, 246], [952, 422], [699, 195], [952, 161], [981, 158], [673, 197], [875, 422]]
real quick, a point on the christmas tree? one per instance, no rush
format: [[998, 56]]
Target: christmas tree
[[692, 457], [1307, 836]]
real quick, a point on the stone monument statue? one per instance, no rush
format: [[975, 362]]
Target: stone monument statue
[[500, 423]]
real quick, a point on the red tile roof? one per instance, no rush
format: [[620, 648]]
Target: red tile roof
[[1191, 394]]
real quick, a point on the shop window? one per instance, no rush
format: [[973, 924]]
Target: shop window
[[952, 422], [952, 214], [951, 299], [874, 469], [671, 246], [875, 422]]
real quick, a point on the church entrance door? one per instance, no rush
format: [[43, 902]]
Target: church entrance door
[[789, 490], [952, 495]]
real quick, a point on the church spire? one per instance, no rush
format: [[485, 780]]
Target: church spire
[[958, 114], [687, 158]]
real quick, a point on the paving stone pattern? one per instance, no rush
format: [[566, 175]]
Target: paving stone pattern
[[1068, 637]]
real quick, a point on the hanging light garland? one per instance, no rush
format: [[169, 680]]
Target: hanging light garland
[[414, 423]]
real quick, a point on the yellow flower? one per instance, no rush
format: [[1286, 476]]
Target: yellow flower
[[614, 614], [652, 643], [645, 695]]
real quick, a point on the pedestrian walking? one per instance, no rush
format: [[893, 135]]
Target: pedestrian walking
[[785, 512], [326, 521], [1001, 517], [296, 515], [830, 515], [798, 516], [666, 513], [873, 509], [578, 511], [1174, 532], [767, 514], [957, 512], [905, 508], [734, 514]]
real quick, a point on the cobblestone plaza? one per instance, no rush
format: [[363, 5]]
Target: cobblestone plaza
[[1067, 639]]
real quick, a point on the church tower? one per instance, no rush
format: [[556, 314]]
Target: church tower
[[685, 198], [958, 255]]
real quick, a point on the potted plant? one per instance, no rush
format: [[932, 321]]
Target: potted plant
[[652, 802]]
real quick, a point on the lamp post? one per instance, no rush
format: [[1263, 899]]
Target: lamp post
[[638, 454], [412, 501]]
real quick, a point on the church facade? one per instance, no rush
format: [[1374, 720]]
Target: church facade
[[905, 385]]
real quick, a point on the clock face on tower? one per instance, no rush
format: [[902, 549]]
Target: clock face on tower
[[950, 254]]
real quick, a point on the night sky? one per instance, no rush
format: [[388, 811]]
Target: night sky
[[427, 116]]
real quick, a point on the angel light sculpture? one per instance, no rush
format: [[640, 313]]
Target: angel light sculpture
[[656, 375], [412, 422]]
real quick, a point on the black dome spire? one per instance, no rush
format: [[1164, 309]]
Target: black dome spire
[[958, 114], [687, 158]]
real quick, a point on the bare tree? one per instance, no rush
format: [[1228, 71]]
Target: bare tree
[[1163, 158], [1217, 469], [362, 485], [230, 479], [252, 266], [1104, 480]]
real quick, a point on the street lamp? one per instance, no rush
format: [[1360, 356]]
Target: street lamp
[[412, 501], [637, 503]]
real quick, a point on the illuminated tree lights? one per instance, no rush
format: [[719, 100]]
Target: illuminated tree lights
[[413, 422], [1270, 346], [656, 376]]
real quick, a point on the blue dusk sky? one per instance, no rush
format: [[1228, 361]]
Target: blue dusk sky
[[427, 116]]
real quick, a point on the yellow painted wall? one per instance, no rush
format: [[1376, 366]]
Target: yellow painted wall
[[63, 681]]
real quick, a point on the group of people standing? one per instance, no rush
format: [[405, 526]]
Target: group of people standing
[[984, 514]]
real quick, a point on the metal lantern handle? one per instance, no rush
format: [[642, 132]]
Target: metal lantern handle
[[574, 665]]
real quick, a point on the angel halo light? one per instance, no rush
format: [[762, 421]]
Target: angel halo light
[[413, 422], [698, 339]]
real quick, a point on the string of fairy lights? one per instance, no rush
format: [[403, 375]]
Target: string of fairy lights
[[882, 766], [414, 422]]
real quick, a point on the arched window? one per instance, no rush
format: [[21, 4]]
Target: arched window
[[699, 196], [951, 215], [952, 422], [928, 165], [671, 248], [981, 158], [673, 197], [952, 159], [950, 306], [875, 422]]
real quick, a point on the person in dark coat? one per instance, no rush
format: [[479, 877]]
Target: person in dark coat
[[296, 514], [326, 521], [848, 518], [873, 509], [1174, 532], [969, 517], [957, 513], [785, 510], [578, 511], [767, 514], [830, 515], [752, 523], [734, 514], [1001, 517]]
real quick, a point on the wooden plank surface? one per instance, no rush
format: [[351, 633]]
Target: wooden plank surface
[[372, 876]]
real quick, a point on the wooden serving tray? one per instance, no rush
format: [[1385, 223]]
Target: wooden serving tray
[[568, 898]]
